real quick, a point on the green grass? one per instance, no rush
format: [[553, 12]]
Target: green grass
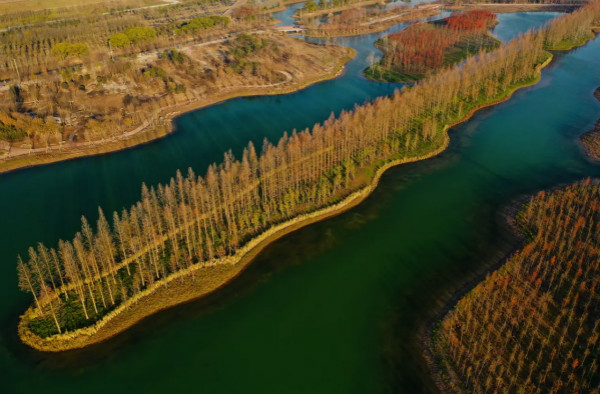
[[468, 46], [379, 73], [567, 44]]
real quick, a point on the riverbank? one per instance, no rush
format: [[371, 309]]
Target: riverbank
[[428, 333], [590, 141], [374, 26], [164, 125], [437, 361], [190, 287], [465, 46], [507, 7], [323, 11], [528, 274]]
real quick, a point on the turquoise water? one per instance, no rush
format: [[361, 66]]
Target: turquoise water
[[332, 307]]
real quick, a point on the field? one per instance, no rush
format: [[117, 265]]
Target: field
[[12, 6]]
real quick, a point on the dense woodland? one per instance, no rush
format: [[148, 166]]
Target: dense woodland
[[423, 48], [197, 220], [533, 326]]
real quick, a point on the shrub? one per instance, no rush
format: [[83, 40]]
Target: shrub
[[174, 55], [202, 23], [119, 40], [63, 50], [10, 133], [156, 72], [132, 35], [139, 34]]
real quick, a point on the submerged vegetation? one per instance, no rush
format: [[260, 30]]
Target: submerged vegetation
[[424, 48], [199, 221], [533, 325]]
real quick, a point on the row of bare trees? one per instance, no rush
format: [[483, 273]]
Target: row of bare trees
[[533, 326], [27, 50], [195, 220]]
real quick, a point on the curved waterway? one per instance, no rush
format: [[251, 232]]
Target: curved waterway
[[332, 307]]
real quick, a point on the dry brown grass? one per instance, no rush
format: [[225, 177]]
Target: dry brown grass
[[12, 6]]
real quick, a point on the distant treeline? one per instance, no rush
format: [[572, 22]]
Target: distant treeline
[[196, 220], [533, 326], [516, 1]]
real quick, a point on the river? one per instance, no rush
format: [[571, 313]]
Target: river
[[332, 307]]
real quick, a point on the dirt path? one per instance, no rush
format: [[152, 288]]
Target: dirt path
[[235, 5], [336, 9]]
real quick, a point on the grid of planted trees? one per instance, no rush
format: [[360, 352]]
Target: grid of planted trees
[[197, 220], [533, 326], [425, 47]]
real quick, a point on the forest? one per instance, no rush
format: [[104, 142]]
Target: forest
[[424, 48], [532, 326], [516, 1], [200, 220]]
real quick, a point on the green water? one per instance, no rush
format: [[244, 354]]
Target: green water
[[333, 307]]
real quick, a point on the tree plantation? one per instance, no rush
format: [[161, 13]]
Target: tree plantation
[[424, 48], [199, 220], [533, 325]]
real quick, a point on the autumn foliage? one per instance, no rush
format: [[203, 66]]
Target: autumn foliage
[[533, 326], [424, 47], [478, 20]]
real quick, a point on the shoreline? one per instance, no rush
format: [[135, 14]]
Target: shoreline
[[506, 217], [148, 134], [426, 336], [589, 141], [375, 27], [325, 11], [500, 8], [102, 330], [389, 75]]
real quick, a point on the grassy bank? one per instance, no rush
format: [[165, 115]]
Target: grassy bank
[[185, 285], [371, 27], [153, 132], [591, 139]]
